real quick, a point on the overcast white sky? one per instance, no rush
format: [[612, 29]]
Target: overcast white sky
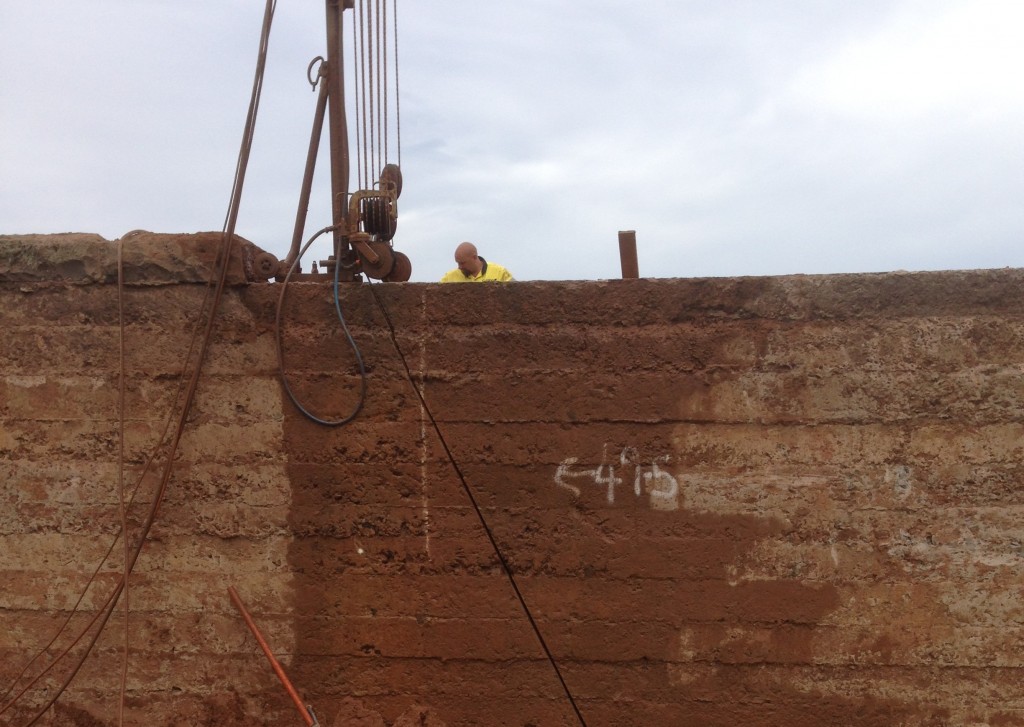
[[737, 137]]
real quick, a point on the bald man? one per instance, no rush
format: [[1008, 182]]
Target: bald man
[[473, 268]]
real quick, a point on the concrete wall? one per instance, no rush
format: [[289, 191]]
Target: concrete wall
[[759, 501]]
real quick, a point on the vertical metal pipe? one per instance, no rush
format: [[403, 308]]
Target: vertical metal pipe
[[337, 125], [627, 254]]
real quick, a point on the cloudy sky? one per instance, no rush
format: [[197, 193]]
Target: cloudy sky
[[737, 137]]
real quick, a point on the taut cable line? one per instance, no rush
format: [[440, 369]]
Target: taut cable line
[[364, 182], [122, 506], [505, 566], [358, 105], [398, 96], [364, 221], [213, 295], [384, 43], [381, 99], [374, 67]]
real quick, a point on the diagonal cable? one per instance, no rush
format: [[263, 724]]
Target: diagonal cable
[[479, 513]]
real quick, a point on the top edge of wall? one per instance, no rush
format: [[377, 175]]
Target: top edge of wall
[[147, 258]]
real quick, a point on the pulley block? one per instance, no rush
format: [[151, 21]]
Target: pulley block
[[378, 216]]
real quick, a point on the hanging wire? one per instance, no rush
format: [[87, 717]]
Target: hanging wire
[[344, 326], [211, 301], [374, 96], [162, 441], [381, 99], [398, 96], [122, 506], [358, 105], [506, 567], [387, 129], [374, 61], [367, 94]]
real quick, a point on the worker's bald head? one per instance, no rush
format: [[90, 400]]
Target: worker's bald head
[[467, 259]]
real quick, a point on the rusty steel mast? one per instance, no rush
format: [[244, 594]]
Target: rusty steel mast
[[363, 222]]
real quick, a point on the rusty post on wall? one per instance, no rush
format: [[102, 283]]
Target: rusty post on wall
[[627, 254]]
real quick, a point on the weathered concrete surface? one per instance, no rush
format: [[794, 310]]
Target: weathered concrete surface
[[759, 501], [148, 258]]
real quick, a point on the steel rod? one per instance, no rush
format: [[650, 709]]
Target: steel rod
[[307, 178], [270, 656]]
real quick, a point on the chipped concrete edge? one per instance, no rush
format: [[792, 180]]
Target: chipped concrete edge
[[148, 258]]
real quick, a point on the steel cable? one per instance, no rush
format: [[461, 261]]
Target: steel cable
[[479, 513], [362, 66], [398, 97], [384, 43], [381, 99], [341, 317], [358, 106], [222, 260], [122, 507]]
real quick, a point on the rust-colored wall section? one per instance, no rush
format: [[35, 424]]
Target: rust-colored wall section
[[758, 501]]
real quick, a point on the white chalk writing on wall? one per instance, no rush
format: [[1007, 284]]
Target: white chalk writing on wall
[[660, 486]]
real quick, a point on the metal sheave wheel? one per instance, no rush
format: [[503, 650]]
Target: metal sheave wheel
[[391, 175], [385, 260], [402, 269], [378, 220]]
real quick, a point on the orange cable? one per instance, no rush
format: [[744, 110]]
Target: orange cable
[[120, 474], [270, 656], [223, 260]]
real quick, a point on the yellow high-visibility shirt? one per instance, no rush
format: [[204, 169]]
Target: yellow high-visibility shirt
[[491, 272]]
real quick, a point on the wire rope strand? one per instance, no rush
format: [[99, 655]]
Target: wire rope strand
[[103, 616], [362, 66], [123, 512], [479, 512], [355, 97], [373, 99], [222, 261], [280, 347], [161, 442], [59, 657], [91, 580], [387, 128], [398, 106], [380, 98], [229, 221]]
